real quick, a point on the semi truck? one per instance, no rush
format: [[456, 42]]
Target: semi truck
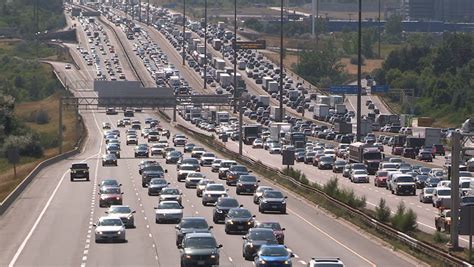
[[263, 101], [279, 129], [296, 139], [222, 116], [272, 87], [432, 135], [275, 113], [322, 99], [340, 109], [250, 133], [335, 100], [387, 119], [225, 80], [217, 43], [364, 153], [342, 128], [320, 111], [265, 81]]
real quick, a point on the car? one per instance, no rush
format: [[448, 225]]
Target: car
[[246, 184], [254, 239], [212, 192], [439, 150], [120, 123], [325, 262], [441, 197], [223, 205], [216, 165], [338, 166], [79, 171], [113, 149], [238, 220], [257, 143], [188, 147], [274, 148], [432, 181], [170, 194], [191, 225], [109, 183], [199, 249], [207, 159], [380, 179], [67, 66], [325, 162], [157, 149], [197, 152], [397, 150], [420, 180], [173, 157], [259, 192], [278, 231], [156, 185], [443, 221], [141, 151], [109, 159], [180, 141], [184, 171], [424, 156], [110, 196], [150, 171], [132, 139], [188, 161], [359, 176], [109, 229], [402, 184], [426, 195], [193, 178], [168, 211], [234, 172], [124, 213], [224, 168], [272, 200], [106, 125], [273, 255], [346, 172]]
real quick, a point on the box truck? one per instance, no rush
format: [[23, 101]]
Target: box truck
[[275, 113], [320, 111]]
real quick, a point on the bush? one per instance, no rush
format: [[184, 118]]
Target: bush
[[346, 196], [28, 144], [355, 59], [42, 117], [439, 237], [382, 211], [404, 220]]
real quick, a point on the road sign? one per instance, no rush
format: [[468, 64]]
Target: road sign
[[13, 155], [259, 44], [343, 89], [379, 88], [288, 157]]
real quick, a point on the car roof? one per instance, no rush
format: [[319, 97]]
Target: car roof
[[197, 235]]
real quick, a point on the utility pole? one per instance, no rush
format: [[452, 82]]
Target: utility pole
[[140, 10], [281, 62], [379, 29], [455, 155], [205, 44], [184, 31], [235, 59], [359, 73], [148, 13]]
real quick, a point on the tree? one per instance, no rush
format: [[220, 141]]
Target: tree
[[393, 28]]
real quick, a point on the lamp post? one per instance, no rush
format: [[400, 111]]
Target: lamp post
[[205, 44], [184, 30], [281, 62], [235, 56], [148, 13], [379, 30], [359, 72]]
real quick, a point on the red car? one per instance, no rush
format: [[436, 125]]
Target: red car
[[381, 179], [110, 196], [397, 150], [277, 230]]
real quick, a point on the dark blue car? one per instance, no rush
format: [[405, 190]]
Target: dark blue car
[[273, 255]]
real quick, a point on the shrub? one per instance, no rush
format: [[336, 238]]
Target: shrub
[[42, 117], [382, 211], [355, 59], [439, 237], [347, 196], [28, 145], [404, 220]]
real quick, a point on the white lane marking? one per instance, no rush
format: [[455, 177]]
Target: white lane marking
[[230, 259], [302, 262], [149, 234], [84, 258], [332, 238]]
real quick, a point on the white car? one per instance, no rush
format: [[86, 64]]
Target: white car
[[257, 143], [109, 229], [157, 149], [216, 164], [442, 198], [212, 192], [275, 149], [207, 159], [170, 194], [359, 176], [132, 139], [326, 262], [184, 171], [168, 211], [193, 179], [124, 213], [197, 152]]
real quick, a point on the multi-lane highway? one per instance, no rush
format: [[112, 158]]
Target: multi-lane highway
[[52, 222]]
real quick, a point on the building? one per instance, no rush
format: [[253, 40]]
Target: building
[[440, 10]]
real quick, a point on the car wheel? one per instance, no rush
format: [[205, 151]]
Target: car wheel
[[283, 211], [143, 185], [226, 230], [214, 219], [237, 192], [204, 203]]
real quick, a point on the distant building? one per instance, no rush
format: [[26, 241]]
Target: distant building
[[440, 10]]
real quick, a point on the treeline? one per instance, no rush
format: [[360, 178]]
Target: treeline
[[441, 74], [19, 14]]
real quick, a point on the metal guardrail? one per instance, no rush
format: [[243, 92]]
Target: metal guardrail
[[421, 246]]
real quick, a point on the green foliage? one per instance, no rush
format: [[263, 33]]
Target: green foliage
[[27, 143], [382, 211], [346, 196], [439, 237], [393, 29], [254, 24], [355, 60], [41, 116], [404, 220], [441, 74], [297, 175]]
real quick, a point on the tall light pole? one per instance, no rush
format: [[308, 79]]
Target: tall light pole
[[235, 56], [359, 72], [148, 13], [281, 62], [205, 44], [184, 31], [140, 10], [379, 28]]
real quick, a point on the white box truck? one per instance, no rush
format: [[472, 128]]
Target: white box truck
[[265, 81], [275, 113], [279, 129], [320, 111], [335, 100], [322, 99], [272, 87], [225, 80]]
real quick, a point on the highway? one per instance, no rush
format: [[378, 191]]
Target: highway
[[54, 216]]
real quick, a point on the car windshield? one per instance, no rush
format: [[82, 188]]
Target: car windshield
[[228, 202], [466, 184], [272, 225], [404, 179], [239, 168], [443, 192], [110, 222], [382, 174], [198, 149], [467, 200], [158, 181], [215, 187], [273, 194], [310, 154], [422, 177], [208, 155], [79, 166], [200, 242], [262, 235], [175, 153], [190, 161], [438, 173], [227, 164], [429, 190], [326, 159], [196, 175], [216, 161], [465, 174], [169, 205], [240, 213], [120, 210], [358, 172], [389, 166], [273, 251], [187, 167], [110, 190], [247, 178], [170, 191], [194, 223], [424, 170]]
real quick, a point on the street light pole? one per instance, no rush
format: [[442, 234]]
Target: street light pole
[[281, 62], [379, 28], [148, 13], [235, 56], [205, 44], [184, 31], [359, 73]]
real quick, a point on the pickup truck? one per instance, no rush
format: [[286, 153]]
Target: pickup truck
[[79, 171]]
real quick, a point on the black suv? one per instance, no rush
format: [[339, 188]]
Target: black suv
[[223, 205], [254, 239], [191, 225], [199, 249], [246, 184], [239, 220], [272, 200], [79, 170]]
